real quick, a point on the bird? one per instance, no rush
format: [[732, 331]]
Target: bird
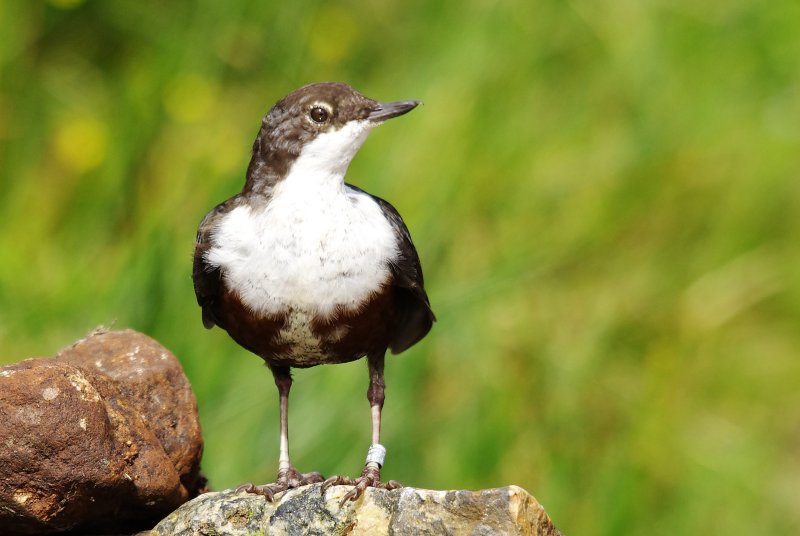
[[303, 269]]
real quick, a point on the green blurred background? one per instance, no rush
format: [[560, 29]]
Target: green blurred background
[[604, 195]]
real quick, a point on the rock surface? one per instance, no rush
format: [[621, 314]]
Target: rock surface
[[503, 511], [103, 437]]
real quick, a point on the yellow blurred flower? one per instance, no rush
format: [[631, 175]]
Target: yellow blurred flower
[[189, 98], [333, 32], [81, 143]]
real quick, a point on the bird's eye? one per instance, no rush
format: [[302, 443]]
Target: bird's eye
[[319, 114]]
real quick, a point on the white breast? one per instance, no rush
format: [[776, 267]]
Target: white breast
[[315, 246]]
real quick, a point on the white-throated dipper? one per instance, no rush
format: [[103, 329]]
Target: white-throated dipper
[[303, 269]]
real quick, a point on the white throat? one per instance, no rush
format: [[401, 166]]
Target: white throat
[[330, 153], [317, 246]]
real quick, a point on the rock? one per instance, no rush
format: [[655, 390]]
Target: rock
[[509, 511], [103, 437], [150, 377]]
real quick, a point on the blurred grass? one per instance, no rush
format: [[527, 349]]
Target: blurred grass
[[604, 196]]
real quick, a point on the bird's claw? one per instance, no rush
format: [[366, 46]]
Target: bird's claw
[[370, 478], [287, 479], [265, 490]]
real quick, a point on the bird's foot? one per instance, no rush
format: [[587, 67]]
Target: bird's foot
[[287, 479], [370, 478]]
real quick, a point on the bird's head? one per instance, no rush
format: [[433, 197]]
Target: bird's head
[[320, 126]]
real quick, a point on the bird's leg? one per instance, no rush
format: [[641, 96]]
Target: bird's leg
[[371, 475], [288, 477]]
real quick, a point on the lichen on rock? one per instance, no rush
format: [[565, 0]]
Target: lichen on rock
[[508, 511]]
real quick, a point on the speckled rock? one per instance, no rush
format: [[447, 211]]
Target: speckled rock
[[152, 379], [508, 511], [103, 437]]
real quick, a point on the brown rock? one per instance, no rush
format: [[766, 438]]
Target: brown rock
[[103, 437], [152, 379]]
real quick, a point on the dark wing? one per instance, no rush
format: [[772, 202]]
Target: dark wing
[[208, 279], [414, 315]]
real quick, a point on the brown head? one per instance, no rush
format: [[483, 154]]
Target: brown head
[[330, 118]]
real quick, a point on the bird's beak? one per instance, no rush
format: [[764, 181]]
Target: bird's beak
[[387, 110]]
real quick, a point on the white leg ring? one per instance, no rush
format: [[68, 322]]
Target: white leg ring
[[376, 454]]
